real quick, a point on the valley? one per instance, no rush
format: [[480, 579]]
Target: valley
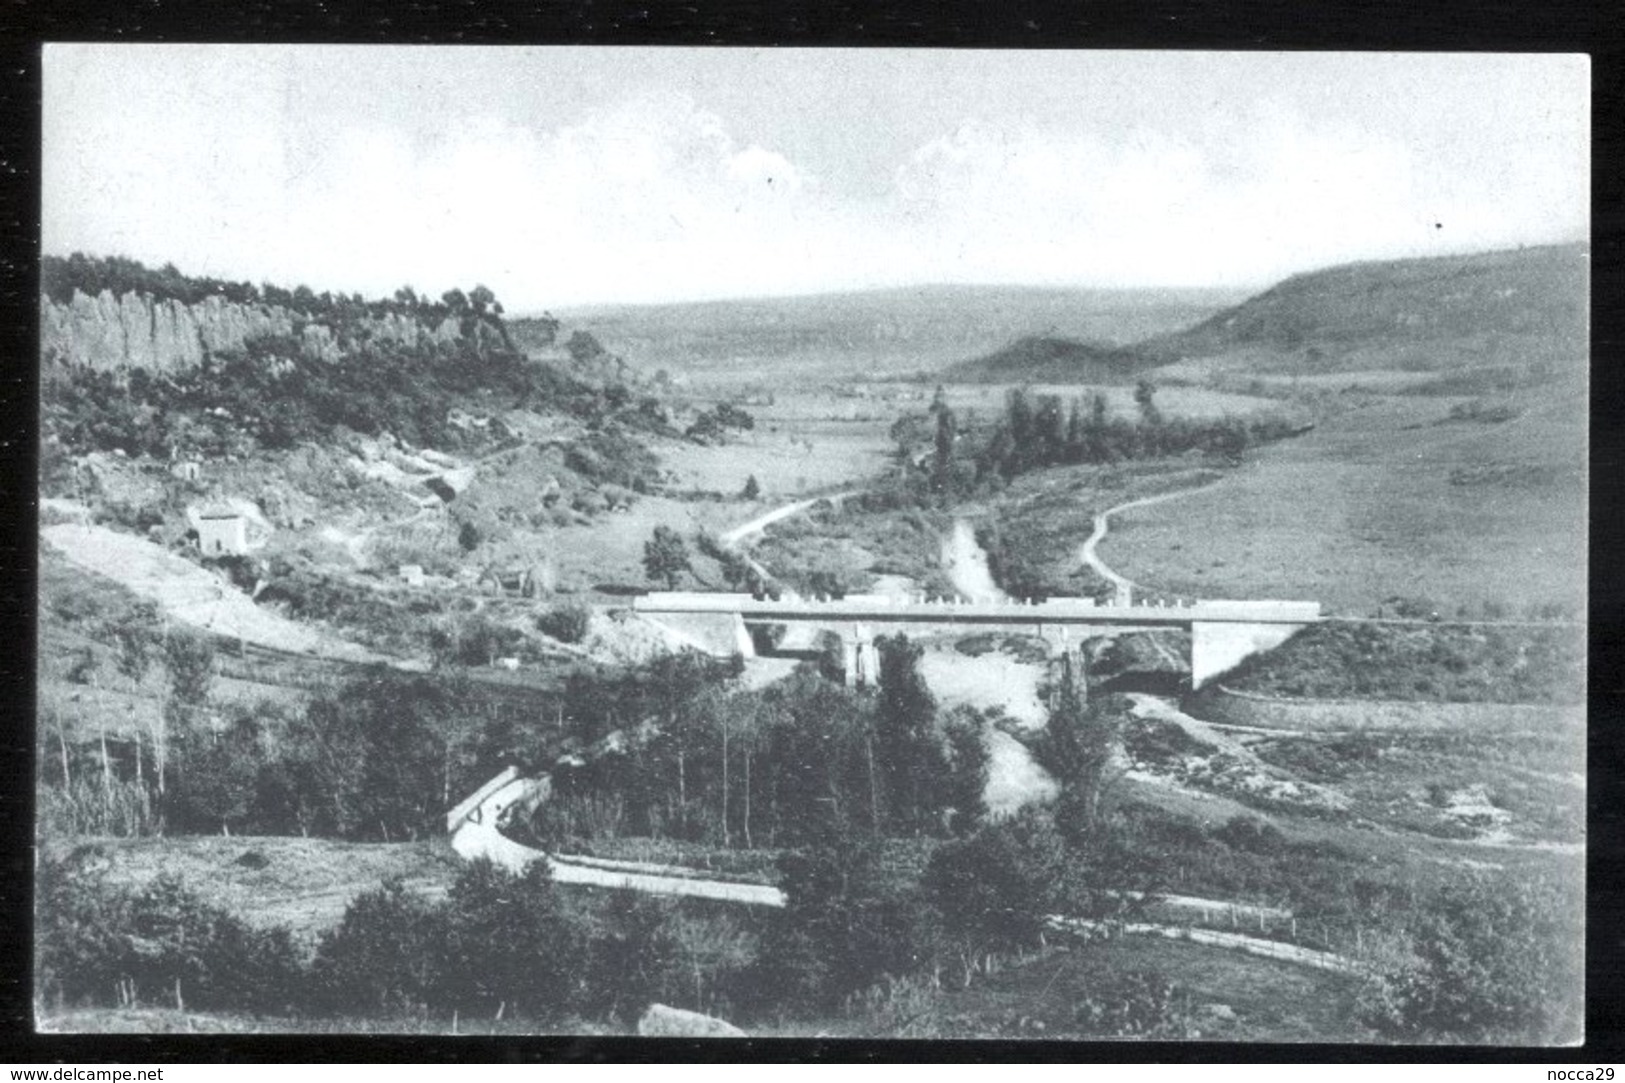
[[435, 582]]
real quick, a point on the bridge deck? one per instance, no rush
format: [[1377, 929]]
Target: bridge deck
[[879, 609]]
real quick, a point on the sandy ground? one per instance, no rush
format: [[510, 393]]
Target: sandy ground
[[190, 594], [967, 565], [996, 680]]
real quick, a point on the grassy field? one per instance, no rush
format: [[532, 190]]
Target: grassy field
[[1386, 498], [302, 883]]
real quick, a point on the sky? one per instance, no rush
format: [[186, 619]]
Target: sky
[[562, 177]]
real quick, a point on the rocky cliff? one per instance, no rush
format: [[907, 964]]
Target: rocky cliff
[[136, 331]]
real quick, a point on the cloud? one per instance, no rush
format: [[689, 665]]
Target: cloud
[[645, 200], [1253, 201], [655, 198]]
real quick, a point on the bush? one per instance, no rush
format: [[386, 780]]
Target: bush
[[1251, 834], [565, 623], [122, 808], [158, 944], [508, 945], [998, 885], [844, 926], [1487, 962], [1143, 1004], [385, 956]]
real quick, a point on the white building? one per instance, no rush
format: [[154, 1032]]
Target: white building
[[222, 531]]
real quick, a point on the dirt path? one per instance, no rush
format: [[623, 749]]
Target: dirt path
[[479, 836], [193, 595], [1090, 557], [1250, 945], [767, 519]]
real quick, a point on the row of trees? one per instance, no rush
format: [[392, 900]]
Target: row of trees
[[801, 761], [1041, 431], [60, 277], [956, 456], [380, 758], [498, 945]]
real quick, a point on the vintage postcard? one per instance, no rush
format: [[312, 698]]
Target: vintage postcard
[[848, 543]]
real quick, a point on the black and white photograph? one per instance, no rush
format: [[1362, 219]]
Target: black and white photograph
[[883, 543]]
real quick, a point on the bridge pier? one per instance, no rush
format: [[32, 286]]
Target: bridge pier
[[860, 658], [744, 645], [1219, 646]]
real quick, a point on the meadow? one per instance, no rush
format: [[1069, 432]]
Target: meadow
[[1388, 497]]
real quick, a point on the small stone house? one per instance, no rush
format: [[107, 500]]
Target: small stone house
[[222, 531]]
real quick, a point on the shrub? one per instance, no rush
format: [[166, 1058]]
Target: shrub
[[1251, 834], [631, 958], [844, 926], [999, 884], [509, 944], [121, 808], [1488, 961], [565, 623], [156, 944], [1143, 1004], [385, 955]]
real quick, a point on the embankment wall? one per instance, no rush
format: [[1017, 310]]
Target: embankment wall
[[1217, 703]]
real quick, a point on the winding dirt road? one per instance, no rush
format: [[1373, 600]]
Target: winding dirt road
[[762, 522], [480, 835], [1090, 557]]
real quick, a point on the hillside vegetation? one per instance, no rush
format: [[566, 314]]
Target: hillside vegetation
[[1508, 318], [1525, 309], [1044, 359]]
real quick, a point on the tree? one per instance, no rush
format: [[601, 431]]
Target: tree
[[964, 785], [997, 886], [753, 489], [509, 944], [1143, 398], [944, 446], [481, 299], [1079, 742], [582, 347], [905, 732], [845, 924], [455, 300], [217, 777], [189, 660], [665, 556], [1485, 961], [385, 955]]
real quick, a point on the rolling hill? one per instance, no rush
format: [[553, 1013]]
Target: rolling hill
[[1518, 308], [883, 333], [1519, 313], [1045, 359]]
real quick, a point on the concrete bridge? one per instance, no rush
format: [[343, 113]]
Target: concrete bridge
[[1223, 633]]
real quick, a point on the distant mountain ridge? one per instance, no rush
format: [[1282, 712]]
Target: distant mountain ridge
[[897, 332]]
